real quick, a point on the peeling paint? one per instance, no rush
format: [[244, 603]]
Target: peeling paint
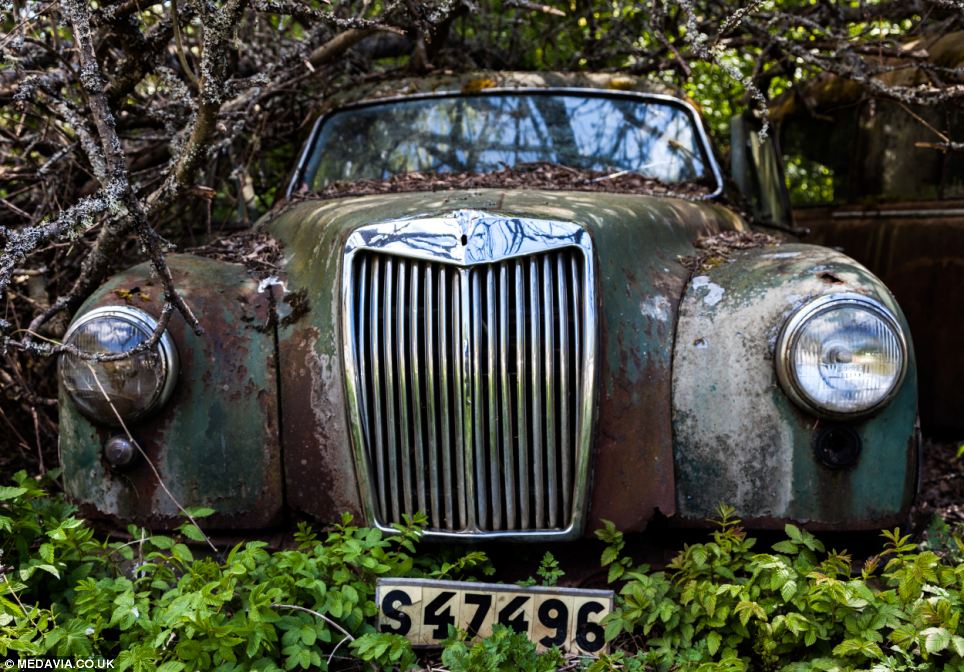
[[739, 438], [656, 308], [215, 443], [714, 293]]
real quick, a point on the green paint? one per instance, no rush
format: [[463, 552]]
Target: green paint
[[741, 440], [214, 443]]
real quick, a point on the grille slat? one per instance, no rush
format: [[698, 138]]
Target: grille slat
[[550, 388], [520, 378], [414, 344], [536, 385], [507, 443], [470, 388], [402, 361], [376, 399], [450, 445], [465, 493], [388, 361], [492, 397], [477, 402], [435, 458], [562, 297]]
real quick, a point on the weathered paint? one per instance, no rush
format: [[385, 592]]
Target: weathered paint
[[215, 443], [740, 440], [920, 256], [637, 240]]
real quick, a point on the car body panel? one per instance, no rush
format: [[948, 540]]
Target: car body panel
[[215, 443], [638, 240], [740, 440]]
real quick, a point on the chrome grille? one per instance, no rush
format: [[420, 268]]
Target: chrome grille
[[469, 387]]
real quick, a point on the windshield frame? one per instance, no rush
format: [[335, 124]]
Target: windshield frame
[[705, 144]]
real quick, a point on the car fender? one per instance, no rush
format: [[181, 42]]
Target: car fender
[[740, 440], [215, 443]]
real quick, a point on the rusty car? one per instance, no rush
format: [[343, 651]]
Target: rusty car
[[520, 304]]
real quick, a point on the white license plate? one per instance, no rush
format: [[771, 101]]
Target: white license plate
[[423, 609]]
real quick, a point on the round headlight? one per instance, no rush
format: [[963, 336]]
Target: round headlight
[[134, 385], [841, 355]]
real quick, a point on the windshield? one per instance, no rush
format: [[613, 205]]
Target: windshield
[[486, 133]]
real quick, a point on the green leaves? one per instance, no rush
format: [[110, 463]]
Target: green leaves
[[157, 603], [386, 650], [720, 606]]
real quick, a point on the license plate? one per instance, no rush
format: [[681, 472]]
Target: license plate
[[422, 610]]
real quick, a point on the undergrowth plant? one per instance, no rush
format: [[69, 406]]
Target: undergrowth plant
[[721, 605], [153, 603]]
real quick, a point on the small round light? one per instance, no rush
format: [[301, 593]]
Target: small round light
[[119, 451], [841, 355], [130, 387]]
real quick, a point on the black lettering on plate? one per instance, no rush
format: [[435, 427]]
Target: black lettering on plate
[[390, 603], [483, 603], [553, 613], [519, 623], [590, 636], [441, 619]]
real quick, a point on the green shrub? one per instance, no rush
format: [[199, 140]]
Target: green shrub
[[722, 606], [151, 603]]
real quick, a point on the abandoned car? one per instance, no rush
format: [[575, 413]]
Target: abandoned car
[[520, 304]]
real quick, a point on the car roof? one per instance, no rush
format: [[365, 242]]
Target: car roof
[[475, 82]]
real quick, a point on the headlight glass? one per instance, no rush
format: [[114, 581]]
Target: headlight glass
[[841, 355], [135, 385]]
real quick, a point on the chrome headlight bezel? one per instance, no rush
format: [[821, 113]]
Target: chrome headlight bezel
[[789, 334], [164, 349]]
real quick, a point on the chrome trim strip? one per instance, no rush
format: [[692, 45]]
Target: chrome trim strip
[[562, 295], [537, 354], [413, 342], [433, 440], [549, 352], [382, 456], [388, 350], [492, 393], [707, 147], [463, 398], [403, 435], [489, 239], [791, 330], [452, 508]]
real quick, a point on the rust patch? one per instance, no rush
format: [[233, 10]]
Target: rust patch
[[320, 473], [215, 443], [830, 278], [299, 307]]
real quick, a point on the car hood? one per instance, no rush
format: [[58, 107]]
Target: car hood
[[637, 241]]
